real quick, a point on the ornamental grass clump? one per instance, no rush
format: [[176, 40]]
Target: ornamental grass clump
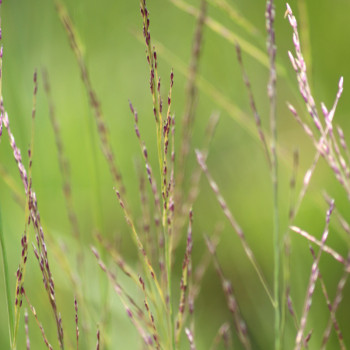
[[161, 290]]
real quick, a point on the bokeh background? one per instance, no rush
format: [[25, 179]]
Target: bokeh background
[[109, 31]]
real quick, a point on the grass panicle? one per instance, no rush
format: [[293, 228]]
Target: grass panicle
[[154, 80], [40, 249]]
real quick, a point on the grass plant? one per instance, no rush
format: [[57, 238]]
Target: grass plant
[[160, 285]]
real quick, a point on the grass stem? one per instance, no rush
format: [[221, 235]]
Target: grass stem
[[271, 90]]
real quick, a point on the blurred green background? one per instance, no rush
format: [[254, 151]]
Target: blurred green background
[[33, 38]]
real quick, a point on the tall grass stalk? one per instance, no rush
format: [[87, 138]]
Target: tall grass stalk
[[271, 90]]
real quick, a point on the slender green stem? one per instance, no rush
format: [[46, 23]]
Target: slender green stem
[[271, 89], [276, 239], [7, 283], [276, 259]]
